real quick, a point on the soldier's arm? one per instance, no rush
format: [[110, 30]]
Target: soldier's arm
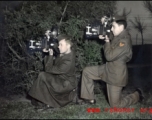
[[48, 61], [112, 54], [60, 68]]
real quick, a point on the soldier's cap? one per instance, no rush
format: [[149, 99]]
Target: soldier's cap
[[117, 17]]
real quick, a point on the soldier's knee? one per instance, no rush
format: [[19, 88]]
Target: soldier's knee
[[117, 105], [41, 75], [114, 104], [85, 70]]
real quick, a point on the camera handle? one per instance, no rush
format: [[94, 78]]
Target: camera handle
[[105, 24], [46, 43], [88, 28], [103, 30], [31, 45]]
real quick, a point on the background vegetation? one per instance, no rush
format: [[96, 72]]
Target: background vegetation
[[30, 20]]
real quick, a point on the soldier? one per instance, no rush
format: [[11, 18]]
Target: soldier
[[55, 87], [118, 52]]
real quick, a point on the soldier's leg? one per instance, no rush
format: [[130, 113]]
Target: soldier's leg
[[87, 84], [116, 99]]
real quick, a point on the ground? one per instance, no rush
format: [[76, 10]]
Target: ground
[[18, 106]]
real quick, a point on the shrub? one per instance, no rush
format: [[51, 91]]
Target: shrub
[[30, 20]]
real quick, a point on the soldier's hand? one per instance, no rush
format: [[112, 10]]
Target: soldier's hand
[[50, 52], [101, 37], [107, 38], [45, 50]]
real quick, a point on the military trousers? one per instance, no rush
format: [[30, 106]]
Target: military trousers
[[114, 93]]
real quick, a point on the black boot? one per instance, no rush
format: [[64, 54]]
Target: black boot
[[37, 103], [141, 95], [34, 102], [85, 101]]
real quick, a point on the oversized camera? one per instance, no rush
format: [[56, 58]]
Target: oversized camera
[[47, 41], [97, 28]]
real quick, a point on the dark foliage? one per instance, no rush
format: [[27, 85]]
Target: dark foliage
[[30, 20]]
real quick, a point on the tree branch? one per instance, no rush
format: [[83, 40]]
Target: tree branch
[[14, 52], [64, 12], [148, 6]]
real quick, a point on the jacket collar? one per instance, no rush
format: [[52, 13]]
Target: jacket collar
[[122, 34]]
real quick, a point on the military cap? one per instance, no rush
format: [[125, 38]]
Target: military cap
[[117, 17]]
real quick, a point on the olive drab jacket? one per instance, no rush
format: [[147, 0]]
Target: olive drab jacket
[[55, 86], [117, 53], [63, 68]]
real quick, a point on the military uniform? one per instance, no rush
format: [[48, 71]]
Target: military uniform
[[117, 53], [56, 86]]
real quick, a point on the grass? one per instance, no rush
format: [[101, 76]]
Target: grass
[[24, 110]]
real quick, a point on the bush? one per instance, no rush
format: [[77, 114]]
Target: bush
[[30, 20]]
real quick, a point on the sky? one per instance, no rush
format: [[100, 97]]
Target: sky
[[137, 8]]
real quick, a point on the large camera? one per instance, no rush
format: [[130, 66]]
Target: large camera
[[49, 40], [97, 28]]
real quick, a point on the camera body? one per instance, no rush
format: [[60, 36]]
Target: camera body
[[47, 41], [97, 28]]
